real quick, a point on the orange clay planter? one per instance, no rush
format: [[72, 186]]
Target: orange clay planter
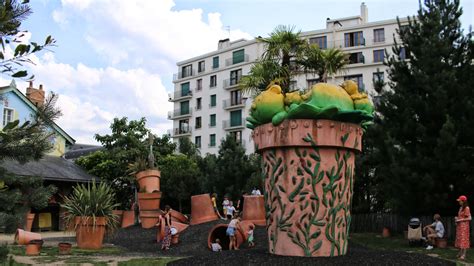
[[386, 232], [149, 218], [180, 227], [33, 248], [149, 201], [149, 180], [128, 218], [30, 217], [178, 217], [309, 170], [89, 236], [202, 210], [64, 248], [23, 237], [254, 210], [119, 214], [219, 231]]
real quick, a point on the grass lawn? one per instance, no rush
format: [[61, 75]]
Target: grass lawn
[[399, 243]]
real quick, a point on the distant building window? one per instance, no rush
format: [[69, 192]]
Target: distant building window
[[379, 55], [199, 84], [236, 118], [358, 79], [404, 54], [321, 42], [238, 56], [215, 62], [7, 116], [354, 39], [212, 140], [312, 82], [212, 120], [201, 66], [379, 35], [237, 136], [235, 77], [213, 81], [184, 108], [198, 122], [198, 103], [235, 97], [185, 91], [213, 100], [355, 58], [183, 127], [197, 141], [186, 71]]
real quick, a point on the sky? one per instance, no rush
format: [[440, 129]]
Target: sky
[[116, 58]]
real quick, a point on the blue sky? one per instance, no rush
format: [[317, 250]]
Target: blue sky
[[116, 57]]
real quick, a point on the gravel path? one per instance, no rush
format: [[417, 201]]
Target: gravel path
[[193, 246]]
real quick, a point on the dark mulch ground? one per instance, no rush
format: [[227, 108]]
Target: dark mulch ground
[[193, 246]]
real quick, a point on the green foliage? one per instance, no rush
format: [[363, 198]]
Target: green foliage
[[423, 140], [92, 201], [3, 253]]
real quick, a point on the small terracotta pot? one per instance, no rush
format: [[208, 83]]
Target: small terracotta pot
[[89, 236], [23, 237], [254, 210], [202, 210], [149, 201], [33, 248], [180, 227], [149, 218], [385, 232], [441, 243], [64, 248], [219, 231], [178, 217], [175, 239], [149, 180], [128, 218], [30, 217]]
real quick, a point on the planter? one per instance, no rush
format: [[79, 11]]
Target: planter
[[178, 217], [254, 210], [175, 239], [219, 231], [149, 180], [309, 170], [64, 248], [149, 201], [89, 236], [128, 218], [30, 217], [33, 248], [119, 214], [23, 237], [149, 218], [202, 210], [386, 232]]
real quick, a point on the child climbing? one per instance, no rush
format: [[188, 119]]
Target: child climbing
[[230, 210], [225, 203], [214, 204], [250, 236], [231, 230]]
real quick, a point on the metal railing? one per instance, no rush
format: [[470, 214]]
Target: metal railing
[[178, 113], [228, 103], [180, 131], [230, 83], [230, 61], [179, 94], [182, 75], [227, 125]]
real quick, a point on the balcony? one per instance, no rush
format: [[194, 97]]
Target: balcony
[[341, 44], [227, 125], [178, 113], [230, 61], [234, 103], [178, 132], [378, 41], [180, 95], [182, 75], [231, 83]]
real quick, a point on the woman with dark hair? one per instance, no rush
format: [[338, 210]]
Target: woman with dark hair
[[166, 242], [462, 227]]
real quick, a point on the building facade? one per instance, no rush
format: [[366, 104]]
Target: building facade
[[208, 104]]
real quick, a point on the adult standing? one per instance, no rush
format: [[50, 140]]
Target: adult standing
[[256, 192], [462, 227], [166, 242]]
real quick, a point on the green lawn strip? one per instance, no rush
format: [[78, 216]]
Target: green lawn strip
[[399, 243], [162, 261]]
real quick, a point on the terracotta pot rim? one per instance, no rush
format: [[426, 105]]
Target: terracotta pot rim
[[89, 221], [148, 173], [64, 244], [151, 195]]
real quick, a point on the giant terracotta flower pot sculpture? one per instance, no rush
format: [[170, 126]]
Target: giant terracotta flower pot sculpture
[[149, 180], [254, 210], [308, 152], [202, 210]]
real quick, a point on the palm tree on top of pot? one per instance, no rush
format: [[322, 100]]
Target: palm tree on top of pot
[[324, 63]]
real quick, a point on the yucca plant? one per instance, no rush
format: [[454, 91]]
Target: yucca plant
[[90, 201]]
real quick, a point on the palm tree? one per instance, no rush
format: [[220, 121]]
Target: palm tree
[[261, 74], [323, 62]]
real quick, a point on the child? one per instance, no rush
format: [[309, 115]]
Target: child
[[250, 236], [231, 228], [214, 204], [225, 203], [230, 210], [216, 247]]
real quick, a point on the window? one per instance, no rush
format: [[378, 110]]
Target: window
[[237, 136], [235, 77], [201, 66], [198, 103], [186, 71], [212, 120], [379, 35], [215, 62], [198, 122], [404, 54], [197, 141], [213, 100], [213, 81], [355, 58], [236, 118], [212, 140], [238, 56], [235, 97], [312, 82], [183, 126], [358, 79], [378, 55], [353, 39], [185, 89], [184, 108], [7, 116], [199, 84], [321, 42]]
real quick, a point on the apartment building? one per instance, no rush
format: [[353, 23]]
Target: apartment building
[[208, 104]]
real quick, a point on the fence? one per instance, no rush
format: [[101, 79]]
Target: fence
[[374, 223]]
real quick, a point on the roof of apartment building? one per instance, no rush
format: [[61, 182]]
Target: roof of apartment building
[[79, 150]]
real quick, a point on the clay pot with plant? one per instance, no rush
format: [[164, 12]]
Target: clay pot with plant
[[89, 207], [145, 171]]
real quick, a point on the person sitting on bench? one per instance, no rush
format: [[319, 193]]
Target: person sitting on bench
[[433, 231]]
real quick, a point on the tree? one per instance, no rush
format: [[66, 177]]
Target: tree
[[126, 144], [323, 62], [12, 14], [424, 144]]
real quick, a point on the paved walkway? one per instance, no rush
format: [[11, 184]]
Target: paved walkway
[[10, 238]]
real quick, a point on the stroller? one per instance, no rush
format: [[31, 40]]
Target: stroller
[[415, 232]]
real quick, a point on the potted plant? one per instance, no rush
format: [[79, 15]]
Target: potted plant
[[145, 171], [89, 208]]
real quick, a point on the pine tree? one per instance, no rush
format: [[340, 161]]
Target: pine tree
[[425, 139]]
